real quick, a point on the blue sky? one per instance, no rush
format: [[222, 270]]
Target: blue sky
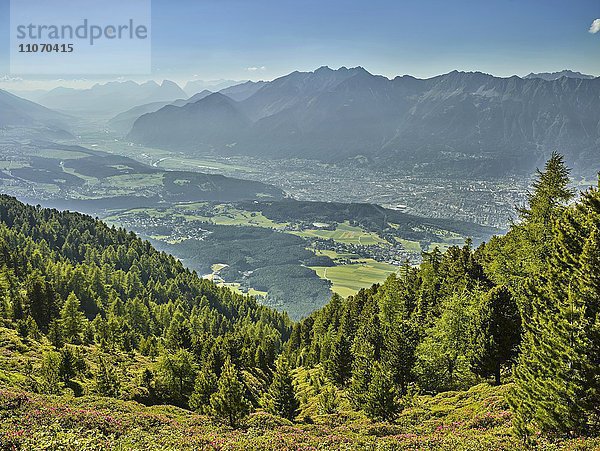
[[263, 39]]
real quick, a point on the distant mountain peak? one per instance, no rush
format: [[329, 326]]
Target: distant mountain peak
[[325, 69], [168, 83], [466, 120], [549, 76], [201, 95]]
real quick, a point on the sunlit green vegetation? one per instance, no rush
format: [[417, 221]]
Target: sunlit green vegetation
[[344, 233], [348, 279], [107, 343]]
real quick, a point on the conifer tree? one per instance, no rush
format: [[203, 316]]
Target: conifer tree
[[40, 300], [228, 403], [27, 327], [399, 355], [339, 366], [176, 376], [49, 373], [496, 333], [381, 403], [328, 400], [550, 192], [71, 363], [204, 387], [72, 320], [107, 382], [362, 369], [178, 334], [55, 334], [557, 383], [281, 396]]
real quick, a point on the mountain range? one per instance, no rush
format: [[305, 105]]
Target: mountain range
[[549, 76], [468, 122], [109, 98], [193, 87], [123, 122]]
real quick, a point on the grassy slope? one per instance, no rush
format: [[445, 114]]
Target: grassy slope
[[344, 233], [473, 420], [347, 280], [477, 419]]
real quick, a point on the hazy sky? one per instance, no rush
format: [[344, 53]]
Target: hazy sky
[[263, 39]]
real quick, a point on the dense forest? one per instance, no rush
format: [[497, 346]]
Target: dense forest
[[102, 313]]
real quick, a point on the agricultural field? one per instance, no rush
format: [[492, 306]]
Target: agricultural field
[[413, 246], [344, 233], [308, 259], [164, 159], [348, 279]]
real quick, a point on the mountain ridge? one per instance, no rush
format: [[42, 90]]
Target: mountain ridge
[[463, 121]]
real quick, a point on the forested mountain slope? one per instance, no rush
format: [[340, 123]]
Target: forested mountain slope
[[415, 363], [76, 280]]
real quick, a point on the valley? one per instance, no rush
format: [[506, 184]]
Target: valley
[[488, 201], [284, 252], [198, 209], [300, 226]]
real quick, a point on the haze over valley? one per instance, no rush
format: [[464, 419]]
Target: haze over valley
[[173, 165], [283, 225]]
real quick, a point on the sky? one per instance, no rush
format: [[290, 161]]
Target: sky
[[265, 39]]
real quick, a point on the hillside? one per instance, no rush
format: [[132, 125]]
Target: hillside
[[30, 119], [91, 180], [464, 122], [96, 324], [123, 122], [475, 420]]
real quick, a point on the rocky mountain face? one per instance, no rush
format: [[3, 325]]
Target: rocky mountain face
[[460, 122]]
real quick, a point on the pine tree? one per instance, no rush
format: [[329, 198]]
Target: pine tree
[[399, 355], [71, 363], [72, 319], [40, 300], [55, 334], [381, 401], [362, 371], [339, 364], [550, 192], [27, 327], [557, 383], [442, 354], [496, 333], [328, 401], [50, 374], [107, 382], [204, 387], [178, 334], [176, 376], [228, 403], [366, 348], [282, 399]]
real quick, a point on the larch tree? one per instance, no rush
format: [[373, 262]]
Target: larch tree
[[228, 403]]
